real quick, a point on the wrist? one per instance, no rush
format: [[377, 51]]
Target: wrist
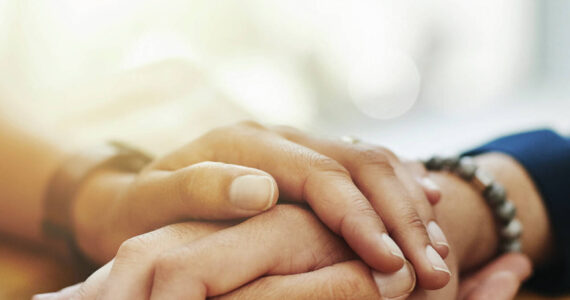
[[468, 221], [93, 212], [537, 237]]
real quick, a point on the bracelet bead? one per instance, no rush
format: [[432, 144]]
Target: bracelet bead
[[509, 228], [482, 180], [511, 246], [450, 163], [435, 163], [506, 212], [495, 194], [466, 168], [512, 231]]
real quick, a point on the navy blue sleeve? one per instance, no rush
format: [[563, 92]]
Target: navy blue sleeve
[[546, 157]]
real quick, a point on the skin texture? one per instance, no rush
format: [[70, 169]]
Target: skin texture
[[349, 187], [318, 264]]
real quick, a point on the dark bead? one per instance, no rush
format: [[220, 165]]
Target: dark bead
[[482, 180], [495, 194], [505, 212], [450, 163], [512, 231], [511, 246], [466, 168], [435, 163]]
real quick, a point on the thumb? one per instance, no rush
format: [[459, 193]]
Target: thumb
[[500, 279], [502, 285], [206, 190]]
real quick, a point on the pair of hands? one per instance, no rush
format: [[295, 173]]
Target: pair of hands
[[360, 192], [296, 255]]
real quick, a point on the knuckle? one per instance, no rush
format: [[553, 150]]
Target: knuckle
[[376, 157], [132, 247], [411, 222], [351, 223], [326, 164]]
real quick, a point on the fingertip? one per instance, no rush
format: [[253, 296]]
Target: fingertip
[[437, 274], [377, 249], [437, 279], [442, 249], [431, 190], [397, 285], [438, 238], [389, 258]]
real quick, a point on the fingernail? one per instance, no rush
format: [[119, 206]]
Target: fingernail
[[252, 192], [436, 234], [397, 284], [430, 184], [436, 261], [394, 249], [44, 296]]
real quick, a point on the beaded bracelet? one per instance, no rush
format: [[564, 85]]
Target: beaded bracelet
[[510, 229]]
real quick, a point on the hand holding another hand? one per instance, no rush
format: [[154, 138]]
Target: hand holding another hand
[[360, 192]]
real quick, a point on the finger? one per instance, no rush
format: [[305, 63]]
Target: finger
[[206, 190], [270, 243], [424, 209], [305, 175], [517, 264], [396, 197], [130, 276], [431, 190], [322, 284], [502, 285], [345, 280]]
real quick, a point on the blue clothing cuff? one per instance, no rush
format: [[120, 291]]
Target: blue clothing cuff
[[546, 157]]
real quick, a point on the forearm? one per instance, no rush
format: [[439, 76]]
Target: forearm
[[468, 221], [27, 163]]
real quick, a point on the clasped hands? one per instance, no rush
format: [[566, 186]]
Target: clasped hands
[[204, 222]]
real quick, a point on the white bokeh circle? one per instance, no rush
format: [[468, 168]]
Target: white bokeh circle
[[383, 85]]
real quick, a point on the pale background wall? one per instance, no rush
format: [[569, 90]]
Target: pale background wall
[[419, 77]]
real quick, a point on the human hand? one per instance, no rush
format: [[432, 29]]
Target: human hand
[[178, 262], [360, 192], [472, 237]]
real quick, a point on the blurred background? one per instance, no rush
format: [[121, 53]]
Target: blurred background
[[418, 77]]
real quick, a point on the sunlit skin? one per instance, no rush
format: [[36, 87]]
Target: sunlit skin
[[349, 187], [177, 262]]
